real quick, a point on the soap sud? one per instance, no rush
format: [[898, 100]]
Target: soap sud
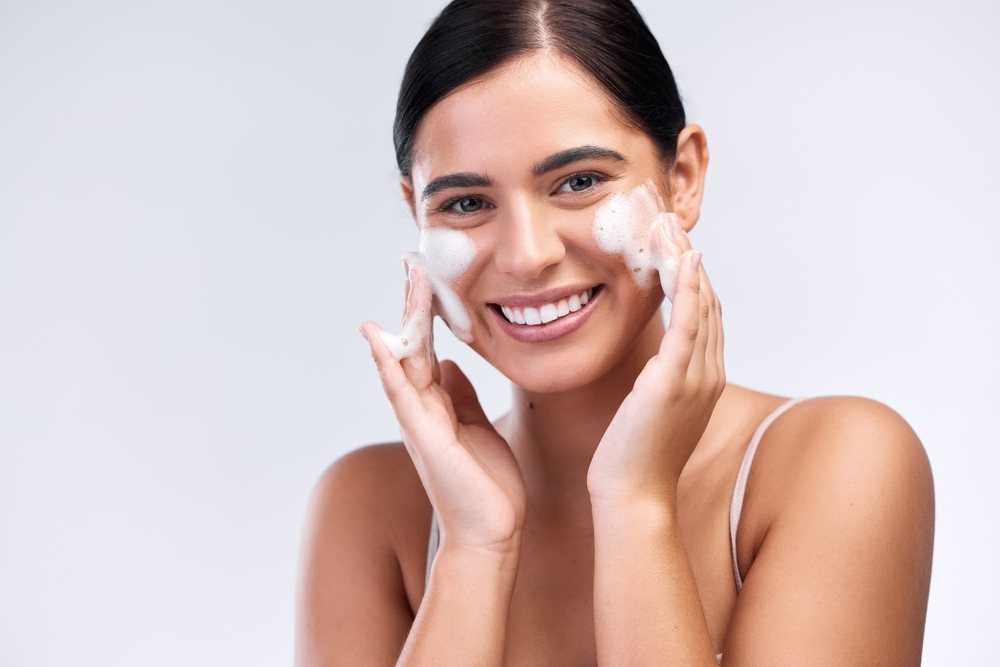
[[623, 226], [413, 339], [444, 255]]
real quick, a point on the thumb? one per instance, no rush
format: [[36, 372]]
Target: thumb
[[463, 395]]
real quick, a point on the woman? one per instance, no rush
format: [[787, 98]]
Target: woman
[[632, 508]]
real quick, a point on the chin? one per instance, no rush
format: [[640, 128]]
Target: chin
[[542, 378]]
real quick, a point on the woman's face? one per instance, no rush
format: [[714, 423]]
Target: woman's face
[[520, 162]]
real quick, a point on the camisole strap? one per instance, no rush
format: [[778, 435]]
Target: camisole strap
[[736, 507]]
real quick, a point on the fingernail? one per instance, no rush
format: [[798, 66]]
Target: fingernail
[[668, 229], [363, 334], [676, 219], [696, 260]]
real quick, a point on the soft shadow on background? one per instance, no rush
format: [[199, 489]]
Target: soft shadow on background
[[198, 206]]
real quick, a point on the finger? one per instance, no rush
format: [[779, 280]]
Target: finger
[[685, 320], [411, 407], [406, 282], [435, 366], [696, 367], [700, 362], [401, 393], [679, 233], [714, 365], [666, 254], [717, 342], [468, 410], [417, 334]]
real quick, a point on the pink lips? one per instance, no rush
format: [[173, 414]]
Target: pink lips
[[543, 333]]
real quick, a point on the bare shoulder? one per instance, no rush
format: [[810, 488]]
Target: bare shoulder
[[836, 537], [363, 554], [370, 482], [844, 443], [372, 498]]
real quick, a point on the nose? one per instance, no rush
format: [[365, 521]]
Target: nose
[[530, 243]]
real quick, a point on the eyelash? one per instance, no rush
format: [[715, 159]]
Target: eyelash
[[598, 179], [447, 206]]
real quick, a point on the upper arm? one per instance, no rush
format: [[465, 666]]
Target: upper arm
[[352, 604], [840, 539]]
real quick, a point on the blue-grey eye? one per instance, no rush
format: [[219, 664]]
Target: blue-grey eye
[[580, 183], [469, 204]]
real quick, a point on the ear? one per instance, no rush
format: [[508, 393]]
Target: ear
[[688, 175], [406, 184]]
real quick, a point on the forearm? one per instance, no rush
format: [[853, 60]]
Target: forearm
[[463, 617], [646, 605]]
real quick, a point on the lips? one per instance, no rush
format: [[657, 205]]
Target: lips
[[538, 319], [547, 312]]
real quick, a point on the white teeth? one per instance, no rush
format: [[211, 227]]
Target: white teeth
[[549, 312]]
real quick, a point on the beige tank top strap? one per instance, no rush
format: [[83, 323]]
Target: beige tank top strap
[[736, 506]]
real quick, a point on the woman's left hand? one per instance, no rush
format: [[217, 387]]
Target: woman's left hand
[[662, 419]]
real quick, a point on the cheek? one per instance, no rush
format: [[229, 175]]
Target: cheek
[[621, 226], [446, 254]]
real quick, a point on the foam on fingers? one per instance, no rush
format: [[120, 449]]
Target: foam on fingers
[[444, 254]]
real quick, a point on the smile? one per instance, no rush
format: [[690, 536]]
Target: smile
[[547, 317], [548, 312]]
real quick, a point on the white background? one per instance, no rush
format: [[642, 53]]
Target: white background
[[198, 206]]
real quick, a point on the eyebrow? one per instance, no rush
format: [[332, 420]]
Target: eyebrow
[[563, 158], [555, 161], [463, 180]]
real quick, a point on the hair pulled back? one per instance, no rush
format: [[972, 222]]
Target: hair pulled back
[[608, 39]]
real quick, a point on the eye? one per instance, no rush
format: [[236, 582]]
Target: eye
[[579, 183], [466, 205]]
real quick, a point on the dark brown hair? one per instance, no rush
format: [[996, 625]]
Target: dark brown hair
[[607, 38]]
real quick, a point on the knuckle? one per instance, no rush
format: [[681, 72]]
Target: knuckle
[[691, 329]]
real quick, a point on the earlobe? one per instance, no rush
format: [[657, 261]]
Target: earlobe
[[688, 175]]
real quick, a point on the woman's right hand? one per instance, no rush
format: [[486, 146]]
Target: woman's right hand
[[468, 470]]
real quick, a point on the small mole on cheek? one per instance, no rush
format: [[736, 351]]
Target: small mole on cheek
[[636, 270], [531, 406]]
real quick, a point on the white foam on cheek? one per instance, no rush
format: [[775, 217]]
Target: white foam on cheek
[[623, 226], [447, 254]]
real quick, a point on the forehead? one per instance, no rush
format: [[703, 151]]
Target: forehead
[[503, 123]]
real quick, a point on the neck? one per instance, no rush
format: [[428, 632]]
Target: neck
[[554, 435]]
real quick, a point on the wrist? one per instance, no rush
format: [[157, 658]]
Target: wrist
[[497, 562], [642, 497], [654, 509]]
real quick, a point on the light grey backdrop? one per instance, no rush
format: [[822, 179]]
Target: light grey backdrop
[[198, 206]]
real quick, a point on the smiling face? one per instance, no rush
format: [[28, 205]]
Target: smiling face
[[521, 162]]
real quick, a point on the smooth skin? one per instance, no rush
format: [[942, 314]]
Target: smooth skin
[[590, 525]]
